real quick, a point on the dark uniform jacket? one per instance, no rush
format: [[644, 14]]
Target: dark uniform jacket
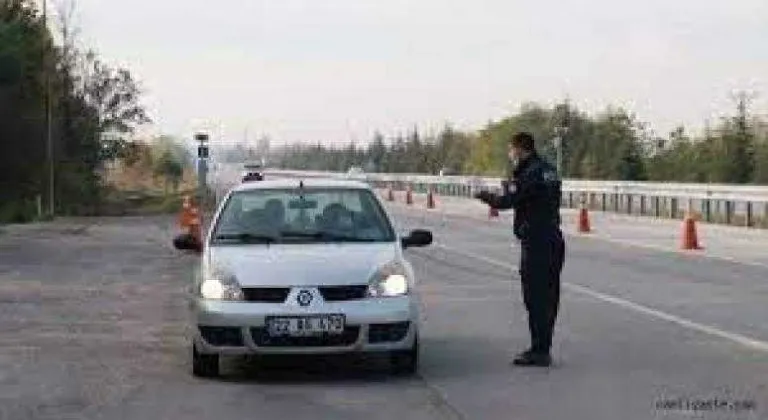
[[535, 195]]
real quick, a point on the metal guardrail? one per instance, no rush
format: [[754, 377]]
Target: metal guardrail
[[744, 205]]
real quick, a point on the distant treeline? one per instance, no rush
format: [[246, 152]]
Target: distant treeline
[[613, 145]]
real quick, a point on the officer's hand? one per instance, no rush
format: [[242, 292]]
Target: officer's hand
[[484, 196]]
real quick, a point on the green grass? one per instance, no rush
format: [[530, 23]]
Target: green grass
[[119, 203], [19, 212]]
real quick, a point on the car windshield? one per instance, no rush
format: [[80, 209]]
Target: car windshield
[[310, 215]]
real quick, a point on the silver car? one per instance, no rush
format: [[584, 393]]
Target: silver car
[[305, 267], [251, 175]]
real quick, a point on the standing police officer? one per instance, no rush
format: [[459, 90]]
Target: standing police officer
[[535, 194]]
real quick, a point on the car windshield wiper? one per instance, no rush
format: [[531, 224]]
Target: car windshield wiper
[[327, 236], [246, 237]]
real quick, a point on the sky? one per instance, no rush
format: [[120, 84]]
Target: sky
[[337, 70]]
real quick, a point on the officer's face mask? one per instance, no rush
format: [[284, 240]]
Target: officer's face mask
[[514, 157]]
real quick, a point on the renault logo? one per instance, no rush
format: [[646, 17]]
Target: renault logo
[[304, 298]]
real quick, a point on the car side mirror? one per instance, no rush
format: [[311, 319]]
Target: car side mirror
[[417, 238], [186, 242]]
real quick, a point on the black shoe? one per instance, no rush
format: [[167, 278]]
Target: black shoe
[[530, 358], [524, 354]]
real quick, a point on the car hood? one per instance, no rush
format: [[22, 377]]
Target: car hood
[[302, 265]]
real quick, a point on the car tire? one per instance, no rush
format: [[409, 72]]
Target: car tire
[[405, 362], [204, 365]]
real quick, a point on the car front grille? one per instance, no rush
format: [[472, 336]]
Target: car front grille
[[347, 338], [266, 294], [342, 293]]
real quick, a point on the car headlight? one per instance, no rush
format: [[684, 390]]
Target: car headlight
[[389, 281], [218, 285]]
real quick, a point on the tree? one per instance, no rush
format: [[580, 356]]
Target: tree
[[96, 110], [24, 42], [739, 143], [613, 144], [93, 110], [479, 162], [377, 152], [103, 100], [760, 175], [114, 94], [11, 40], [170, 168], [631, 166]]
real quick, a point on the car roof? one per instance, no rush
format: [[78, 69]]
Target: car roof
[[283, 183]]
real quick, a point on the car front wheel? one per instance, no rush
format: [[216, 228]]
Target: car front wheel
[[405, 362], [204, 365]]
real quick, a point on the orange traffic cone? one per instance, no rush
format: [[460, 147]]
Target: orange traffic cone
[[690, 240], [409, 196], [390, 193], [185, 214], [191, 224], [430, 199], [493, 213], [584, 226], [194, 222]]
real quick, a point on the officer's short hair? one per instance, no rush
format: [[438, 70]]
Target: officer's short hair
[[523, 140]]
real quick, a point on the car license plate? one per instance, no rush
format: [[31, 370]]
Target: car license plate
[[302, 326]]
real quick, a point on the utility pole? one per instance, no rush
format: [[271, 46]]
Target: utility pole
[[202, 164], [48, 120], [561, 131], [559, 149]]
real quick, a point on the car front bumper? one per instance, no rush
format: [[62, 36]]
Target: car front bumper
[[239, 328]]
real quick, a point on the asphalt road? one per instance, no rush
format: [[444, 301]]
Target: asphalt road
[[94, 317]]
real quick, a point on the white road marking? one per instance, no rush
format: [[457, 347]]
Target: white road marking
[[477, 257], [742, 340], [484, 299], [694, 253]]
